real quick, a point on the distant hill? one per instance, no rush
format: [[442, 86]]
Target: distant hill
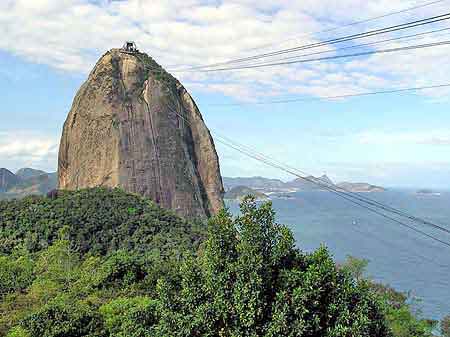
[[25, 173], [25, 182], [252, 182], [427, 192], [267, 184], [360, 187], [309, 183], [239, 192]]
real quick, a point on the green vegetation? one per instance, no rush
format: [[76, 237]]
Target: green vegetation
[[445, 326], [95, 221], [105, 263], [397, 306]]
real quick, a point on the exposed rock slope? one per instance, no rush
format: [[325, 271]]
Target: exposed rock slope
[[125, 129]]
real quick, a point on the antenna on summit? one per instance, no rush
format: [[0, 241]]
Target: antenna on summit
[[129, 47]]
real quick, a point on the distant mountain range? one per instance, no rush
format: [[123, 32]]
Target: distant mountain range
[[310, 183], [26, 181]]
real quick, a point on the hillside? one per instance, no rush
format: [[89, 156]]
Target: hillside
[[96, 221], [240, 192]]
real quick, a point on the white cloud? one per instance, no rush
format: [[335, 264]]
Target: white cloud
[[24, 149], [71, 34]]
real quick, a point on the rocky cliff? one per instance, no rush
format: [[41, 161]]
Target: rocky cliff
[[135, 126]]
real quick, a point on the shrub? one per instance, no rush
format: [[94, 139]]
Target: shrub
[[64, 317], [123, 268], [130, 317], [18, 332], [16, 272]]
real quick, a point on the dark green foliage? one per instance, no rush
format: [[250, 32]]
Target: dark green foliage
[[63, 317], [251, 281], [99, 221], [122, 267], [136, 270], [62, 235]]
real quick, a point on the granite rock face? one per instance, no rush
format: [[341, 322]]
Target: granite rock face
[[133, 125]]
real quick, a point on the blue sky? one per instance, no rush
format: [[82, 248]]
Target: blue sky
[[392, 140]]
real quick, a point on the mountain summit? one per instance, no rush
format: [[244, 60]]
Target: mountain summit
[[134, 126]]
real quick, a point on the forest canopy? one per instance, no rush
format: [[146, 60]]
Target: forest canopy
[[104, 263]]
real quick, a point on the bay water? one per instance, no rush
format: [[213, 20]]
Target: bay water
[[398, 256]]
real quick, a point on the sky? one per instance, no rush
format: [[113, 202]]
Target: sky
[[48, 48]]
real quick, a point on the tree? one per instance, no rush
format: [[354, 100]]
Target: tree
[[250, 280], [355, 267], [129, 317], [64, 317], [246, 279], [16, 271], [397, 305], [445, 326]]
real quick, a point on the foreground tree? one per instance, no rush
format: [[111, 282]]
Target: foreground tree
[[445, 326], [250, 280], [401, 317]]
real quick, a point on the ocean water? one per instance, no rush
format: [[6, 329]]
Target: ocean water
[[398, 256]]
